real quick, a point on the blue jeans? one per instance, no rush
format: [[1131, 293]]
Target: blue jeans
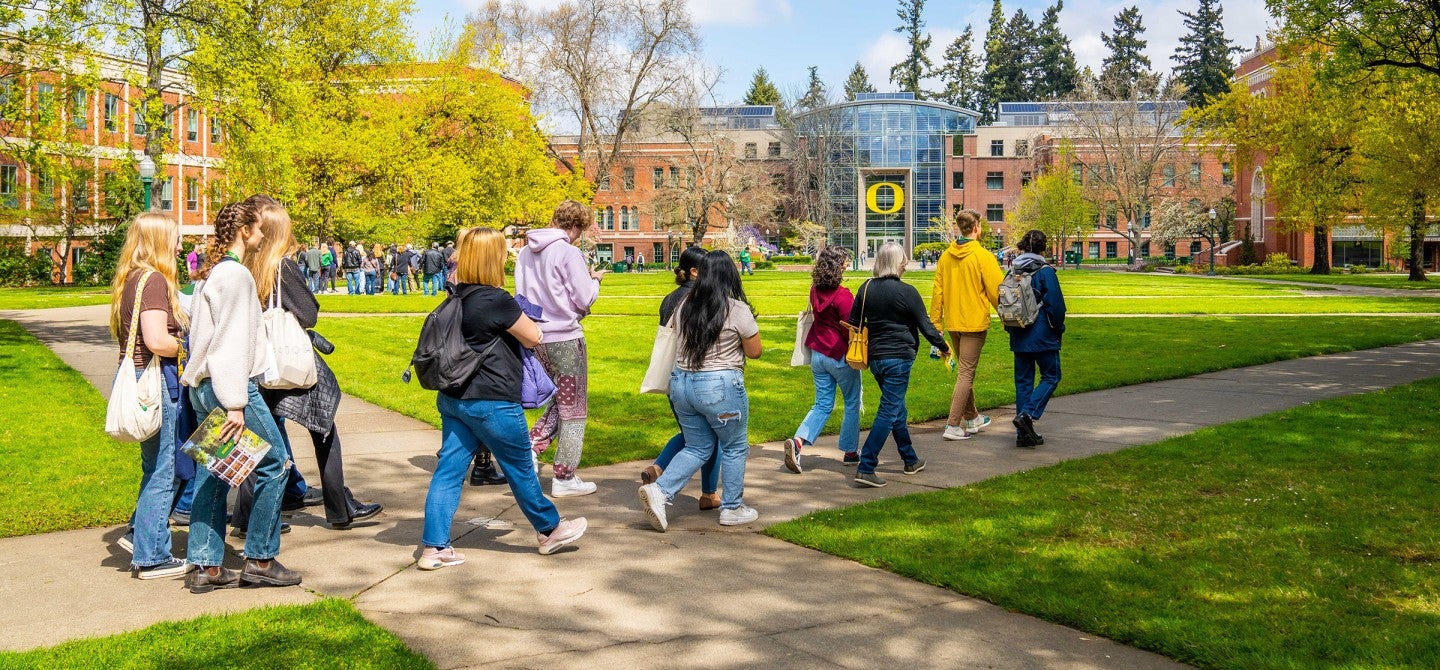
[[893, 377], [185, 497], [370, 283], [434, 283], [714, 415], [207, 516], [830, 374], [398, 285], [464, 426], [1031, 398], [315, 277], [157, 489], [352, 282], [709, 472]]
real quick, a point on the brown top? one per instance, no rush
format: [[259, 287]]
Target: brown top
[[156, 296]]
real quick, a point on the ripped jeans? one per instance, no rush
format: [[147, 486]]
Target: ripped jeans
[[714, 413]]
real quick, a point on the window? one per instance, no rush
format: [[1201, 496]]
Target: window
[[167, 194], [80, 195], [45, 188], [1022, 147], [957, 180], [609, 221], [192, 125], [604, 184], [1227, 177], [751, 150], [773, 150], [1093, 251], [1075, 248], [45, 102], [777, 181], [995, 213], [1194, 173], [957, 145], [997, 147], [1194, 247], [674, 177], [192, 195], [630, 218], [1170, 252], [627, 178], [79, 109], [1111, 215], [1077, 173], [1169, 172], [657, 179], [1112, 249], [7, 97], [141, 127], [1145, 218], [214, 130], [1145, 250], [994, 181], [112, 112], [167, 122], [1025, 178], [9, 177]]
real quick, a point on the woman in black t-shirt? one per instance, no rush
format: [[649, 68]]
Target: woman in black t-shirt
[[488, 409]]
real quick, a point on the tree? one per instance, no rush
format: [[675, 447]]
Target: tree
[[1056, 74], [993, 79], [815, 94], [1126, 70], [762, 90], [805, 235], [1366, 34], [959, 74], [1202, 59], [1054, 204], [1399, 151], [858, 82], [907, 73]]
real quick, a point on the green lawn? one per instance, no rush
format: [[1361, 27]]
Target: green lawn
[[1398, 281], [1304, 539], [326, 634], [1099, 353], [58, 468], [53, 296]]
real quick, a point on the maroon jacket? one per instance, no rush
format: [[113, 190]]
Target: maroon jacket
[[831, 307]]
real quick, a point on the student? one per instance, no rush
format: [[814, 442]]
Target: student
[[965, 288], [401, 273], [148, 260], [353, 261], [893, 312], [226, 355], [314, 264], [551, 272], [1036, 346], [432, 267], [828, 341], [488, 409], [716, 332], [686, 271], [745, 262], [370, 267]]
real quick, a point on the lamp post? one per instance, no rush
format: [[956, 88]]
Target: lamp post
[[1211, 239], [147, 177]]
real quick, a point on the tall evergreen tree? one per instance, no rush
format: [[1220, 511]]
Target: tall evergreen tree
[[1056, 74], [908, 73], [1126, 71], [815, 94], [858, 82], [991, 81], [1021, 57], [959, 74], [1202, 60], [762, 90]]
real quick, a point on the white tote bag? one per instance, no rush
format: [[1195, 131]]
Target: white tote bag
[[662, 358], [292, 356], [133, 413], [803, 323]]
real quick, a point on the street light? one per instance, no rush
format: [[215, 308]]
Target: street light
[[1211, 238], [147, 177]]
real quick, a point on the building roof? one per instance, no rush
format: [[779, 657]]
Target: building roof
[[907, 98]]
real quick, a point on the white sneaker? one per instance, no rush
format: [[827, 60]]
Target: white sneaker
[[535, 461], [738, 516], [652, 500], [568, 531], [434, 559], [955, 433], [974, 425], [568, 488]]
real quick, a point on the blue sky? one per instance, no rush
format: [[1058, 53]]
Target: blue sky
[[787, 36]]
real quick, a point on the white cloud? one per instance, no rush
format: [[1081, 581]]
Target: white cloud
[[739, 12]]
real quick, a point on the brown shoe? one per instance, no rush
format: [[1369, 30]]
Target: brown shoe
[[651, 473], [710, 500]]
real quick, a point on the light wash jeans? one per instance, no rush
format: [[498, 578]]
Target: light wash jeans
[[464, 426], [434, 283], [709, 473], [207, 514], [352, 282], [829, 374], [893, 377], [157, 490], [714, 414]]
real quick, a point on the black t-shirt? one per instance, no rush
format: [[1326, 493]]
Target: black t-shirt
[[488, 312]]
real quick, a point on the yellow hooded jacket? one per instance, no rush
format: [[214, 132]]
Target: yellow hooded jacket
[[967, 286]]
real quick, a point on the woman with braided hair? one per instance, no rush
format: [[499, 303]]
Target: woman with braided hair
[[227, 353]]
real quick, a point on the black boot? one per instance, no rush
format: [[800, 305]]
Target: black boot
[[484, 473]]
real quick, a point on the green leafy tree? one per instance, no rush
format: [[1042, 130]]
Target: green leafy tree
[[1366, 34], [907, 73], [1056, 74], [959, 74], [1126, 70], [1054, 204], [857, 82], [762, 90], [1203, 57], [815, 94], [1399, 146]]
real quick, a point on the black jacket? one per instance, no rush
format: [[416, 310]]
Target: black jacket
[[893, 311], [315, 407], [668, 305], [295, 298]]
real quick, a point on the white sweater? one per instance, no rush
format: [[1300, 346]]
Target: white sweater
[[227, 343]]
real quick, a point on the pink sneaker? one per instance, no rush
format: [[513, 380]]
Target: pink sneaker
[[568, 531], [434, 559]]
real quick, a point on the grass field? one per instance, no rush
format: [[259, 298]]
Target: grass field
[[57, 466], [53, 296], [326, 634], [1397, 281], [1304, 539]]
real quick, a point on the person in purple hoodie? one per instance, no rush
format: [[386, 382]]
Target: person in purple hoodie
[[551, 272], [828, 340]]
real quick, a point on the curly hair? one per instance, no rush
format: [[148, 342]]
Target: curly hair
[[572, 215], [228, 222], [830, 267], [1032, 242]]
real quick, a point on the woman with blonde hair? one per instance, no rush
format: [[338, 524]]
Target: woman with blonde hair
[[966, 287], [146, 282], [487, 410]]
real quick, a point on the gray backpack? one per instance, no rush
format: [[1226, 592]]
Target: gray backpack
[[1018, 305]]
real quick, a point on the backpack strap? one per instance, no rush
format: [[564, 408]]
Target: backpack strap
[[135, 315]]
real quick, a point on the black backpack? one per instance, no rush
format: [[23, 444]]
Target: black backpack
[[442, 358]]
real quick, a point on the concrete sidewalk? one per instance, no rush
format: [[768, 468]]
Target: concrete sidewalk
[[626, 596]]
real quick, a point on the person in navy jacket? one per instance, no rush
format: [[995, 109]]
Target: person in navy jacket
[[1038, 345]]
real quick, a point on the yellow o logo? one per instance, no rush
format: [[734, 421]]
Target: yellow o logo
[[895, 190]]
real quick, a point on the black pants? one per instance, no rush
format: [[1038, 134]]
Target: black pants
[[339, 503]]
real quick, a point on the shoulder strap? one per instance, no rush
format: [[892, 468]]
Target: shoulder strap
[[135, 315], [864, 293]]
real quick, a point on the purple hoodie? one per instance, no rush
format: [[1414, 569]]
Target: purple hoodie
[[552, 273]]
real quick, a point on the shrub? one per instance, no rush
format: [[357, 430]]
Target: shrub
[[97, 264], [789, 260], [766, 265], [18, 268], [936, 247]]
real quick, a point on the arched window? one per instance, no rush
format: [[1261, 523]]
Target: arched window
[[1257, 205], [609, 219]]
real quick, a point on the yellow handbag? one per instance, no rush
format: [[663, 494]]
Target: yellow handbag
[[858, 355]]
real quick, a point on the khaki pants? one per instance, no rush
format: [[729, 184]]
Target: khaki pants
[[966, 349]]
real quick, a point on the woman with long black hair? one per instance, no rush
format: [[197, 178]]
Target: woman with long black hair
[[717, 331]]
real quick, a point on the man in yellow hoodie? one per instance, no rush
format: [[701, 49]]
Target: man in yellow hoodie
[[967, 286]]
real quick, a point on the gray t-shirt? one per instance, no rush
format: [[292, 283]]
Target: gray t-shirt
[[726, 353]]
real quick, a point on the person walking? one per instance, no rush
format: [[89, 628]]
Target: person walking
[[146, 321], [353, 260], [551, 273], [227, 354], [745, 261], [966, 287], [432, 265], [488, 409], [686, 272], [716, 331], [894, 312], [1037, 345], [314, 262], [830, 303]]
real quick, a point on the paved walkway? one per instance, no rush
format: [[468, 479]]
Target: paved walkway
[[698, 596]]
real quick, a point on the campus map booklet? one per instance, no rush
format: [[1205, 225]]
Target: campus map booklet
[[231, 461]]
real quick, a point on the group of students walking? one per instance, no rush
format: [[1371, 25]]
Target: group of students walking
[[369, 270], [214, 347]]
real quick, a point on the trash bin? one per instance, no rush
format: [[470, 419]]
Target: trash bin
[[620, 266]]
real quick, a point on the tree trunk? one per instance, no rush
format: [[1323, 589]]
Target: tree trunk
[[1417, 238], [1322, 251]]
